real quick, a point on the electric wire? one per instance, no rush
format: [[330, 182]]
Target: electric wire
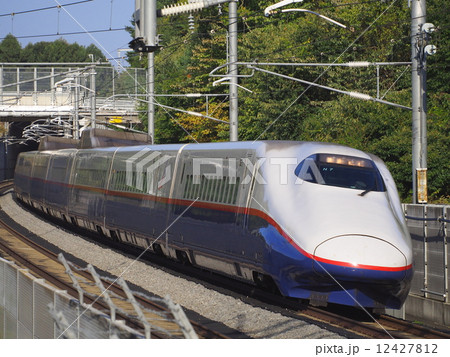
[[73, 33], [191, 39], [324, 72], [44, 8]]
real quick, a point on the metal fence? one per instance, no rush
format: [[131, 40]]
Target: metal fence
[[428, 225], [27, 78], [31, 308], [38, 85]]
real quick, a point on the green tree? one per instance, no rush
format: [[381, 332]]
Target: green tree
[[56, 51], [439, 64], [60, 51], [378, 31], [10, 49]]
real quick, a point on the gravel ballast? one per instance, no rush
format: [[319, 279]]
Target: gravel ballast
[[252, 321]]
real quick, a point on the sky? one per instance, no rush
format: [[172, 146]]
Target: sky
[[53, 23]]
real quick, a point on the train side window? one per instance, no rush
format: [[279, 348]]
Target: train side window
[[215, 193], [115, 180], [122, 181], [205, 186], [211, 189], [40, 167], [220, 185], [188, 187], [234, 191], [20, 161], [59, 167], [226, 188], [24, 165], [190, 182]]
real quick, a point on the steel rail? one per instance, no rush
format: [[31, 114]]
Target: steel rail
[[383, 327], [40, 271]]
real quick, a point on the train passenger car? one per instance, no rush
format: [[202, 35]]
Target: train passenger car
[[318, 221], [22, 176], [56, 191], [136, 207]]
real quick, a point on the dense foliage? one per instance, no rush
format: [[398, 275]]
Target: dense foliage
[[282, 109], [56, 51], [378, 31]]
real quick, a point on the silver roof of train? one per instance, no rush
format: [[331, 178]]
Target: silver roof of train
[[269, 147]]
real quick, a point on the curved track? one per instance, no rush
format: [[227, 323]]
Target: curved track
[[356, 323], [44, 263]]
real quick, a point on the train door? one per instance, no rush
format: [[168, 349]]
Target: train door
[[57, 188], [22, 175], [38, 180], [88, 191], [249, 172], [209, 204], [251, 246]]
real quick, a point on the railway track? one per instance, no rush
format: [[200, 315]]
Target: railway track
[[44, 263], [355, 322], [375, 326], [352, 323]]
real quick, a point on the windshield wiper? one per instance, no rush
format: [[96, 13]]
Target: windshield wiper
[[365, 192]]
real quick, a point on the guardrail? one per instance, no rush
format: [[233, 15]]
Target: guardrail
[[31, 308], [428, 225], [29, 91]]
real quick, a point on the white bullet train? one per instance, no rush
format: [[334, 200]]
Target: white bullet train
[[319, 221]]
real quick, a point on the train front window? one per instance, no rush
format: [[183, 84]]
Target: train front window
[[341, 171]]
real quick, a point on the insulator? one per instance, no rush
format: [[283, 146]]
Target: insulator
[[359, 64], [191, 22], [360, 95], [173, 9]]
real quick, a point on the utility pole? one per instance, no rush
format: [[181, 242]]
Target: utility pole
[[76, 117], [146, 41], [233, 69], [93, 98], [150, 40], [420, 31], [1, 85]]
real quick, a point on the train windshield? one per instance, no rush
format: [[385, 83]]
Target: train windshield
[[341, 171]]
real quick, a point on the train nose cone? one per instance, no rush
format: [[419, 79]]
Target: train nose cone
[[359, 256]]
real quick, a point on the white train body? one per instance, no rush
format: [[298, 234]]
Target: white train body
[[320, 221]]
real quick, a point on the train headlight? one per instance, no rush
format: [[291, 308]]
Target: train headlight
[[344, 160]]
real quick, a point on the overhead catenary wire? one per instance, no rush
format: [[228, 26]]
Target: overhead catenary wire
[[191, 38], [105, 84], [254, 14], [120, 65], [43, 8], [73, 33], [89, 32], [326, 69], [350, 93]]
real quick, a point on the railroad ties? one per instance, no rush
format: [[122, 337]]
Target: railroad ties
[[109, 299]]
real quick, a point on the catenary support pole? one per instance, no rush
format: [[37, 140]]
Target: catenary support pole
[[418, 79], [93, 98], [151, 40], [150, 95], [76, 106], [233, 69]]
